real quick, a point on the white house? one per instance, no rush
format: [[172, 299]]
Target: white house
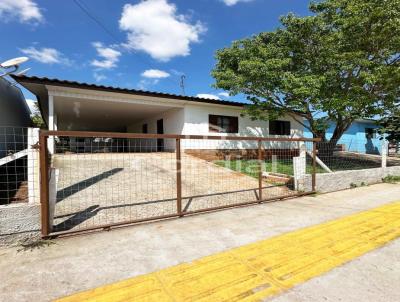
[[67, 105]]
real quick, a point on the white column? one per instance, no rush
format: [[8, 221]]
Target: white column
[[55, 122], [50, 140], [33, 166]]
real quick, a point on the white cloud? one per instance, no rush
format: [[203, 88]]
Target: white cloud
[[99, 77], [23, 10], [208, 96], [45, 55], [109, 56], [31, 104], [224, 94], [155, 74], [154, 27], [233, 2]]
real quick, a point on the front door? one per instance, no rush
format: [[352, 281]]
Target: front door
[[160, 130]]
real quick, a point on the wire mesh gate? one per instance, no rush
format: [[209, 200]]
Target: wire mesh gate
[[95, 180]]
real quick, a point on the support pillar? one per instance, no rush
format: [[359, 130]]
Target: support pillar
[[33, 166], [50, 140]]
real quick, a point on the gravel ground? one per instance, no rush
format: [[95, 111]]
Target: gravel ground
[[98, 189]]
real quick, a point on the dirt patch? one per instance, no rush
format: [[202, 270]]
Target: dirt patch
[[98, 189], [21, 195]]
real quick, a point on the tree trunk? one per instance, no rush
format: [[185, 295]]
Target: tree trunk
[[327, 147]]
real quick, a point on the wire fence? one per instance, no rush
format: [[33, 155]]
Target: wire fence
[[394, 149], [18, 165], [355, 154], [111, 183], [97, 180]]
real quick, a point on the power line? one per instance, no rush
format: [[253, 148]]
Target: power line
[[97, 21], [182, 84], [87, 12]]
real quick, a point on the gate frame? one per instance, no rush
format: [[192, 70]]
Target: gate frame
[[45, 168]]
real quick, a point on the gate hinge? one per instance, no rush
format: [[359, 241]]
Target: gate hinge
[[35, 146]]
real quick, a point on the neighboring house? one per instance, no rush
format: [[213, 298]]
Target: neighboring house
[[362, 136], [67, 105], [14, 120], [14, 111]]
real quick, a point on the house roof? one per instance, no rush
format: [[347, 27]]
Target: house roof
[[22, 79]]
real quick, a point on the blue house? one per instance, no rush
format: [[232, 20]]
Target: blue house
[[362, 137]]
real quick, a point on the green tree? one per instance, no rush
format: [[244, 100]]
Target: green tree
[[36, 117], [339, 64], [391, 127]]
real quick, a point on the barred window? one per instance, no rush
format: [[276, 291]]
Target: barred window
[[279, 127], [223, 124]]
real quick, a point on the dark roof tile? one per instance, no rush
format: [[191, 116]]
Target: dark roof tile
[[74, 84]]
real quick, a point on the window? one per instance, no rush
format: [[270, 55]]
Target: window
[[279, 128], [223, 124], [145, 128], [370, 133]]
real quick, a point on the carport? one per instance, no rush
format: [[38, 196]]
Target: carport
[[74, 106]]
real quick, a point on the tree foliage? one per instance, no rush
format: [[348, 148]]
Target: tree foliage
[[340, 64], [391, 127], [36, 117]]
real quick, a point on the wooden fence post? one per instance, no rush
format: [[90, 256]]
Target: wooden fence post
[[314, 166], [44, 184], [178, 177], [260, 170]]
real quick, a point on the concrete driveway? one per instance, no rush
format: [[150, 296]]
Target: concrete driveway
[[84, 262]]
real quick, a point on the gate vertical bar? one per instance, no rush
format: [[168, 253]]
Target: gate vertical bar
[[44, 184], [260, 170], [314, 165], [178, 177]]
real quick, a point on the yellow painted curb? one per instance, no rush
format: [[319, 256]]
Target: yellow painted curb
[[259, 270]]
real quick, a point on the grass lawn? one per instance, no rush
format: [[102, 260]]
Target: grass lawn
[[250, 167], [337, 163], [285, 166]]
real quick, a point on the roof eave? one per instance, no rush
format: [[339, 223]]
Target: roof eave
[[74, 84]]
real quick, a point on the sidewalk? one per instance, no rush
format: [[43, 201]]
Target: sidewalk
[[260, 270], [85, 262]]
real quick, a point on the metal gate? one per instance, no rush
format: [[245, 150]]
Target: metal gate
[[97, 180]]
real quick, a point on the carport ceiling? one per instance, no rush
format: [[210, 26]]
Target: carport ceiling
[[83, 114]]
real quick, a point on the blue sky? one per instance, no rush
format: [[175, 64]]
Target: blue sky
[[134, 44]]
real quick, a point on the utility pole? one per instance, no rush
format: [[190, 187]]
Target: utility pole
[[182, 84]]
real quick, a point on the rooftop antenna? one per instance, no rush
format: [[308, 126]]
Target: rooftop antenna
[[11, 66], [182, 84], [22, 72]]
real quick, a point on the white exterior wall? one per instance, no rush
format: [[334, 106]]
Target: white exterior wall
[[173, 124], [196, 122]]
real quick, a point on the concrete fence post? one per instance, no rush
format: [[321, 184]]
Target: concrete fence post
[[303, 151], [274, 163], [384, 152], [33, 166], [299, 172], [299, 168]]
